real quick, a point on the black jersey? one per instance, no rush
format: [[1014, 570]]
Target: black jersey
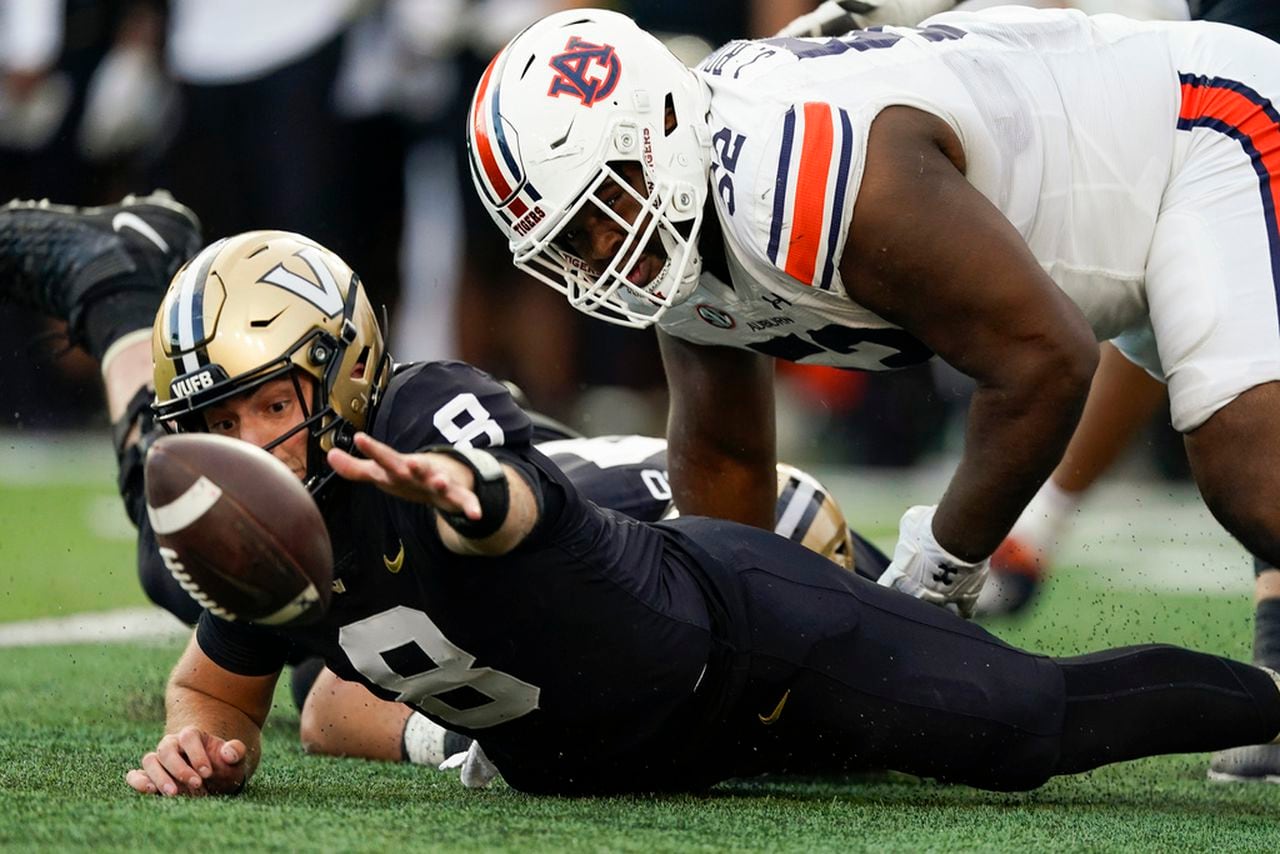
[[623, 473], [590, 636]]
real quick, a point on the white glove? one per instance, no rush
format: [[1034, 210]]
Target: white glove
[[477, 770], [837, 17], [925, 570]]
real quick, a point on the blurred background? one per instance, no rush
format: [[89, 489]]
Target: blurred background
[[342, 119]]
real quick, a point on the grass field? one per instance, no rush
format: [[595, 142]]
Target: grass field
[[1147, 566]]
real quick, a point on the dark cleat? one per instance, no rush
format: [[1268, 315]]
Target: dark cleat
[[56, 258]]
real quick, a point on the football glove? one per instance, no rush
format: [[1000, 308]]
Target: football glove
[[837, 17], [925, 570]]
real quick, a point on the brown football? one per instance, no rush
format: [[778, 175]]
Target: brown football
[[238, 530]]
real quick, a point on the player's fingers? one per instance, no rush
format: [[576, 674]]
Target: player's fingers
[[159, 777], [228, 768], [232, 752], [386, 456], [192, 741], [174, 760], [453, 495], [465, 500], [364, 471], [140, 782], [424, 472], [383, 464]]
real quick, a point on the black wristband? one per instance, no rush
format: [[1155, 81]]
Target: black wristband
[[491, 488]]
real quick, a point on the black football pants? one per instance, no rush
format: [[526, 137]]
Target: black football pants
[[830, 673]]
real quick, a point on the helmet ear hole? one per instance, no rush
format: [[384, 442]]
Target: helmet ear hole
[[361, 365], [670, 121]]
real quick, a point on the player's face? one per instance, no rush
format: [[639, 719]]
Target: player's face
[[262, 415], [595, 237]]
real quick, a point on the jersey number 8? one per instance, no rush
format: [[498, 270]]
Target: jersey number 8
[[402, 650]]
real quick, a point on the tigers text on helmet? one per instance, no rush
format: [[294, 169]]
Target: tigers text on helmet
[[262, 305], [556, 111]]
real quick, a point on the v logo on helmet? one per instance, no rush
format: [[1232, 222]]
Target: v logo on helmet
[[323, 293], [576, 73]]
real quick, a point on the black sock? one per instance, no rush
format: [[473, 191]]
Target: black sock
[[129, 306], [1149, 700], [1266, 633], [455, 742], [304, 675]]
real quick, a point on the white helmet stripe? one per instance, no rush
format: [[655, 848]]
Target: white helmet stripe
[[796, 507], [188, 307]]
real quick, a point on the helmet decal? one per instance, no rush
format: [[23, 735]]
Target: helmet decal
[[324, 295], [573, 68]]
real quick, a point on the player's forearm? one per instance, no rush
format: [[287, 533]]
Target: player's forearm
[[709, 480], [1015, 435]]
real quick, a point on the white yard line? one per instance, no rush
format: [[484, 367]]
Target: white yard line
[[126, 625], [56, 457]]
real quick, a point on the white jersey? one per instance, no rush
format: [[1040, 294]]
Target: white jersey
[[1068, 125]]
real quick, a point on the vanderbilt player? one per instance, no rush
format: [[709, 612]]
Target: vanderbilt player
[[111, 296], [586, 651]]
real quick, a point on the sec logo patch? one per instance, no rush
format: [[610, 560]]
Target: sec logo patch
[[717, 318]]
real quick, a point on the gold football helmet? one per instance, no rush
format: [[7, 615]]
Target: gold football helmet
[[261, 305], [808, 514]]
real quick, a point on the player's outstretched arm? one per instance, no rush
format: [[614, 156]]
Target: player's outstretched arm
[[489, 518], [721, 453], [213, 730], [929, 252]]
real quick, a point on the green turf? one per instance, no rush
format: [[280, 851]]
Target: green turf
[[51, 560], [74, 719]]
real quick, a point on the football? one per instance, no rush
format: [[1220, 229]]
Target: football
[[238, 530]]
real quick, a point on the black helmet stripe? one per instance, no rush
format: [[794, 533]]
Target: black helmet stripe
[[186, 311]]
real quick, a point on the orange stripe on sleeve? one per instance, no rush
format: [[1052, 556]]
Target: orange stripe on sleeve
[[811, 193], [1234, 109]]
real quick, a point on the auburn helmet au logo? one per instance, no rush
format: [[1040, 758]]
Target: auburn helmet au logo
[[587, 71]]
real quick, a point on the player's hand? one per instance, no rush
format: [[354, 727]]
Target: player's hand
[[191, 762], [837, 17], [434, 479], [925, 570]]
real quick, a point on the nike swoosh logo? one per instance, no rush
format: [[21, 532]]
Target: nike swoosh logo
[[394, 564], [773, 716], [124, 219]]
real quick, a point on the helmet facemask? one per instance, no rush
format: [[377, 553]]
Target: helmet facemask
[[671, 212]]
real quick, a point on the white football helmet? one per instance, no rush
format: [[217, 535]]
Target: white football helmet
[[564, 102]]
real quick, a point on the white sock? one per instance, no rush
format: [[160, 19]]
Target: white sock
[[423, 741], [1044, 521]]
